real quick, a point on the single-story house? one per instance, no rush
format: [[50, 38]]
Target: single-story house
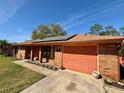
[[81, 53]]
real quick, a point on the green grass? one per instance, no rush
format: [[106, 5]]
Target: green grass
[[14, 78]]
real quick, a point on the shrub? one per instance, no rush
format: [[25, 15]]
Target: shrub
[[121, 51]]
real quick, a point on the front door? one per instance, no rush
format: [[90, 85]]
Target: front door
[[46, 53], [27, 52]]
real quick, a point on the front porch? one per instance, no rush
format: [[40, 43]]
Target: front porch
[[44, 55]]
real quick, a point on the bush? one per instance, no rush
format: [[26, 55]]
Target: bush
[[121, 51]]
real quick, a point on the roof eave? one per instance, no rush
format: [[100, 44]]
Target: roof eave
[[117, 41]]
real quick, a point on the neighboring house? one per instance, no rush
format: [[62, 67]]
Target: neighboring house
[[82, 53]]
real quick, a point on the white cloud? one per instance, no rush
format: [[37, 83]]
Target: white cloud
[[8, 8], [72, 18], [79, 19]]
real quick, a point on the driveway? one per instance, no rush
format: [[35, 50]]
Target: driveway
[[66, 82]]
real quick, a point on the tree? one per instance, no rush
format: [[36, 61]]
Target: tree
[[122, 30], [96, 29], [57, 30], [110, 30], [34, 35], [3, 44], [44, 31]]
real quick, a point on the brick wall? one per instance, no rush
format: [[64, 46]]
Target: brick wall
[[108, 61], [58, 56], [21, 53]]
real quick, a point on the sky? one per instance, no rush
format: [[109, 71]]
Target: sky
[[19, 17]]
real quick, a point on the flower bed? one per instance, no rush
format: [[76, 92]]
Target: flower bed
[[49, 66]]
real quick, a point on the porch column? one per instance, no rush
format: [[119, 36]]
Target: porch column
[[31, 57], [40, 54], [14, 52]]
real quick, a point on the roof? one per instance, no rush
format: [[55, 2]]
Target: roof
[[58, 38], [82, 37], [75, 39]]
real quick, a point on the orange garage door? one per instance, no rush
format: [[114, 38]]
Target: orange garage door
[[80, 58]]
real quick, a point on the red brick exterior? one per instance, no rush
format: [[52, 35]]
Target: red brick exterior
[[58, 56], [108, 61], [105, 58], [21, 52]]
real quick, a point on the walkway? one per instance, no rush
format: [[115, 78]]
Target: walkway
[[34, 67]]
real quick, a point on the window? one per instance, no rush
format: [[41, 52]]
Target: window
[[16, 50], [46, 51], [58, 50]]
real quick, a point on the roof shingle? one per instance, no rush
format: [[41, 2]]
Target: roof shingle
[[82, 37], [74, 38]]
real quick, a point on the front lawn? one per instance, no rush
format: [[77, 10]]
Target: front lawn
[[14, 78]]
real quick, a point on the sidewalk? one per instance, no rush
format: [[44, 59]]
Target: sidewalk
[[34, 67]]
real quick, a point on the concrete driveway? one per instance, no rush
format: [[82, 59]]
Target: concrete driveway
[[66, 82]]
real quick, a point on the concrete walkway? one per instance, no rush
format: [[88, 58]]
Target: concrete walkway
[[35, 68]]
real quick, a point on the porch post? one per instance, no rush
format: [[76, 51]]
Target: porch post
[[14, 52], [40, 54], [31, 57]]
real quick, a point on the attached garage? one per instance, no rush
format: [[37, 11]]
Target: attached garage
[[80, 58]]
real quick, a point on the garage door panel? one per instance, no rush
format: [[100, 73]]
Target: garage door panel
[[82, 59]]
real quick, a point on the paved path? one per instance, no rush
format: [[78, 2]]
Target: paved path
[[114, 90], [34, 67]]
